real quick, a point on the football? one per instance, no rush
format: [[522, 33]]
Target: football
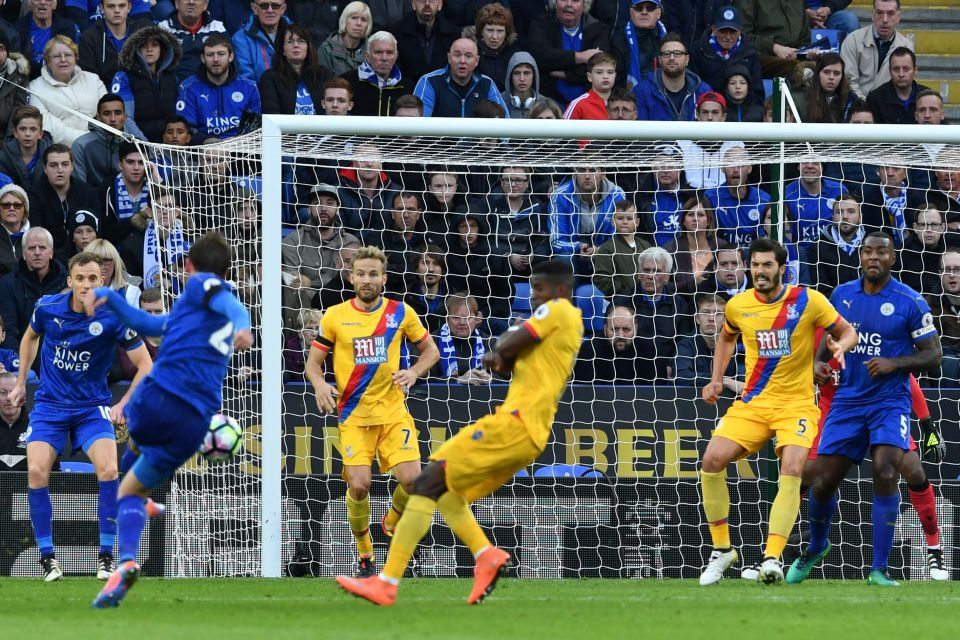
[[224, 439]]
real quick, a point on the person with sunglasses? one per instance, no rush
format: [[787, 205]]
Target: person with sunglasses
[[254, 44]]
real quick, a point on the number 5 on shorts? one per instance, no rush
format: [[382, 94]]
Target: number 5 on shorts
[[802, 426], [904, 426]]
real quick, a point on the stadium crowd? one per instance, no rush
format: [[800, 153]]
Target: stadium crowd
[[657, 250]]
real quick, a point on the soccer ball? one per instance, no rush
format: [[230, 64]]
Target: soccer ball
[[224, 439]]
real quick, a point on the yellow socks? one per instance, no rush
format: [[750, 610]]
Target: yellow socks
[[716, 506], [457, 514], [416, 521], [358, 515], [783, 515], [397, 507]]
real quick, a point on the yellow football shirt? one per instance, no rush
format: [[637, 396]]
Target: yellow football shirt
[[779, 339], [366, 352], [541, 371]]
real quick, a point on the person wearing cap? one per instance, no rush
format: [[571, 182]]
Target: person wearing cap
[[723, 46], [83, 227], [308, 254], [14, 222], [637, 44], [672, 91], [15, 70], [702, 159]]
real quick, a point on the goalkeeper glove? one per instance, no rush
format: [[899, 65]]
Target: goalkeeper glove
[[932, 446]]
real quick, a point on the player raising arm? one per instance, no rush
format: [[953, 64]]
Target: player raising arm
[[484, 455], [778, 324], [871, 408], [73, 399], [169, 414], [365, 335]]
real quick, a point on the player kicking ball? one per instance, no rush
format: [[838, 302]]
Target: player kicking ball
[[484, 455], [871, 407], [778, 324], [169, 414]]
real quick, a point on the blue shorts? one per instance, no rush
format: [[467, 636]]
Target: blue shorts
[[166, 429], [850, 430], [83, 426]]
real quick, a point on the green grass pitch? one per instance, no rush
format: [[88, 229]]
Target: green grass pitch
[[290, 609]]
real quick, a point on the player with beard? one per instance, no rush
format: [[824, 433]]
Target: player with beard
[[370, 387], [779, 324]]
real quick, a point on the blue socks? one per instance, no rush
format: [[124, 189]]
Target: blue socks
[[886, 510], [821, 517], [107, 514], [131, 518], [41, 515], [127, 460]]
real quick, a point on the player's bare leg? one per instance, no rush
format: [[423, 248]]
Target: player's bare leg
[[405, 473], [925, 504], [40, 459], [358, 479], [103, 455], [716, 505]]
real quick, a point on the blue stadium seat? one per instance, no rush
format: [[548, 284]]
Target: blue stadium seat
[[520, 305], [826, 39], [77, 467], [521, 474], [567, 471], [591, 302], [768, 87]]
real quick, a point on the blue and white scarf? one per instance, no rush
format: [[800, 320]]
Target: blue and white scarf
[[720, 51], [448, 352], [123, 202], [635, 73], [367, 74], [895, 206], [176, 247], [847, 247]]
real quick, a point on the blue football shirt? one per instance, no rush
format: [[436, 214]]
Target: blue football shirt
[[811, 212], [77, 352], [738, 221], [889, 324]]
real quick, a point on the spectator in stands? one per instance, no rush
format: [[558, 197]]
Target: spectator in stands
[[147, 79], [475, 267], [114, 271], [215, 100], [409, 106], [723, 47], [616, 262], [342, 52], [829, 98], [14, 424], [622, 105], [158, 243], [125, 194], [191, 25], [562, 41], [255, 43], [453, 91], [151, 301], [832, 14], [619, 356], [637, 43], [402, 239], [523, 85], [460, 343], [660, 208], [38, 274], [101, 42], [945, 308], [294, 83], [731, 276], [423, 38], [40, 27], [57, 194], [14, 214], [21, 151], [442, 197], [96, 153], [662, 315], [378, 82], [744, 102], [496, 42], [545, 109], [592, 105], [63, 88], [945, 190], [929, 107], [693, 249], [672, 91], [694, 364], [920, 258], [242, 232], [581, 211], [778, 29], [835, 257], [83, 227], [811, 198], [895, 101], [427, 288], [855, 175], [866, 51], [339, 288], [885, 204], [702, 159], [366, 193], [296, 344], [319, 17], [737, 203], [14, 75], [308, 253]]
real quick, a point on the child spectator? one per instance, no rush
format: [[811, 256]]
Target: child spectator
[[83, 227], [427, 292], [592, 105], [616, 262], [743, 105], [151, 301], [21, 152], [523, 85]]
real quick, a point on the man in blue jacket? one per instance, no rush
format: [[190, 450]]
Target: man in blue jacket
[[214, 100], [671, 92], [454, 91], [256, 42]]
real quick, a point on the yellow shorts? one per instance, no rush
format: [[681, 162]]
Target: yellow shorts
[[484, 455], [753, 425], [391, 443]]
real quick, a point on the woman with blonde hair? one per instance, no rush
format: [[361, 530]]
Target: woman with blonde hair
[[114, 271], [343, 51], [63, 86]]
